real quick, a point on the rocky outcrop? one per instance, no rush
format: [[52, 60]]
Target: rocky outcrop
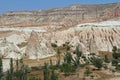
[[91, 37], [17, 43], [10, 45], [30, 33], [9, 50], [73, 15], [38, 47]]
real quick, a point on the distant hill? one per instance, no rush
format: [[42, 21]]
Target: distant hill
[[67, 16]]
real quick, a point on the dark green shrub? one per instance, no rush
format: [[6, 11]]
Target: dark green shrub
[[105, 66], [114, 49], [1, 68], [36, 68], [34, 78], [106, 59], [54, 76], [53, 45], [87, 72], [11, 69], [97, 62], [58, 57], [114, 62], [68, 58], [46, 71], [67, 68]]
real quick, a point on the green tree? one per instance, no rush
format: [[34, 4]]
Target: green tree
[[1, 68], [87, 72], [115, 54], [67, 48], [58, 57], [8, 75], [11, 69], [17, 74], [17, 65], [34, 78], [53, 45], [114, 62], [114, 49], [51, 63], [106, 59], [97, 62], [67, 68], [68, 58], [53, 67], [24, 70], [46, 71], [21, 60], [76, 59], [54, 76], [77, 52]]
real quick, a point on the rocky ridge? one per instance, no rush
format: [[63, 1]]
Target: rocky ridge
[[91, 37], [30, 33], [73, 14]]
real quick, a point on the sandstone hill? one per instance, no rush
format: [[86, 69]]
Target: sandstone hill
[[30, 33], [91, 37], [73, 14]]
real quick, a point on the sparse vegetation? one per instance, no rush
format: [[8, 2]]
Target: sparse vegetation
[[106, 59], [76, 60], [68, 67], [97, 62], [87, 72], [1, 68], [58, 57], [54, 45]]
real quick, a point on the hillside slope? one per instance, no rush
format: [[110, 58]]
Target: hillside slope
[[73, 15]]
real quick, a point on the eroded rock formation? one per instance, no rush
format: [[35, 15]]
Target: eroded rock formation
[[73, 15], [38, 47], [91, 38], [32, 32]]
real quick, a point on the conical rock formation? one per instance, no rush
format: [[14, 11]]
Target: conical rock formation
[[37, 48]]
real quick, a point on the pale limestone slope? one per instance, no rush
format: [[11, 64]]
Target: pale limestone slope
[[92, 37]]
